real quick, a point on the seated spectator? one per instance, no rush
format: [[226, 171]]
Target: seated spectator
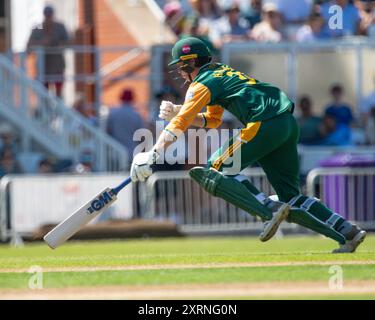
[[295, 13], [9, 163], [125, 114], [269, 29], [367, 13], [45, 166], [334, 133], [350, 19], [86, 110], [192, 29], [308, 123], [86, 162], [312, 30], [207, 11], [337, 108], [7, 137], [229, 28], [62, 165], [253, 12]]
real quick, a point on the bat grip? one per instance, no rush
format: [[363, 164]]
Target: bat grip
[[121, 186]]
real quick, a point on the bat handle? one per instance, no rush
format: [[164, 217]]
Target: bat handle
[[122, 185]]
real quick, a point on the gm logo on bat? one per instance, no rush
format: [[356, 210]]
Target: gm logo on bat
[[100, 202]]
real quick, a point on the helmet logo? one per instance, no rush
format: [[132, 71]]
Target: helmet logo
[[186, 48]]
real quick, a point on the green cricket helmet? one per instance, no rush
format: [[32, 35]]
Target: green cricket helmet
[[189, 48]]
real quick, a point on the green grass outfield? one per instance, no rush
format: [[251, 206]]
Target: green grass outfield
[[189, 261]]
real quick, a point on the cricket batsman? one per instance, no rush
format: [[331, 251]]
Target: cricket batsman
[[269, 137]]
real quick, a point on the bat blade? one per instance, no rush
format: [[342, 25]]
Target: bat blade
[[79, 218]]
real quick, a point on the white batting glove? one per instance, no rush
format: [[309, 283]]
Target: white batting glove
[[141, 166], [168, 110]]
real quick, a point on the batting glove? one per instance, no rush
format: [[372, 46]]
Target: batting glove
[[168, 110], [141, 166]]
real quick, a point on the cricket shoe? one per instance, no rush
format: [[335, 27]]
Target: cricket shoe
[[355, 237], [280, 213]]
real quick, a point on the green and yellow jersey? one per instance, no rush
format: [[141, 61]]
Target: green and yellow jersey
[[218, 87]]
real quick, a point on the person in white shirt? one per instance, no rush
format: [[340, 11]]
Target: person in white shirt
[[208, 12], [312, 30], [229, 28], [269, 29]]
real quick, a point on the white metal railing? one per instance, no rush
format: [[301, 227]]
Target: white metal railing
[[348, 191], [44, 118], [175, 196], [109, 64], [28, 202]]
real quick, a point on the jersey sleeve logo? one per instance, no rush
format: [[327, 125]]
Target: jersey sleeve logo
[[189, 95]]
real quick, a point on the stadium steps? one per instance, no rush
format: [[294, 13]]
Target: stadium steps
[[45, 120]]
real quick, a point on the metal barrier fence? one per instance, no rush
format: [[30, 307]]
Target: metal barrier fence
[[29, 202], [89, 69], [348, 191], [176, 197]]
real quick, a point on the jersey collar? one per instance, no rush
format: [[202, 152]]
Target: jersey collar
[[203, 67]]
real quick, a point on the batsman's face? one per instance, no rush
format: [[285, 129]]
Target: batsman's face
[[184, 75]]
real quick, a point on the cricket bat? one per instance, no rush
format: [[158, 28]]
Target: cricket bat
[[82, 216]]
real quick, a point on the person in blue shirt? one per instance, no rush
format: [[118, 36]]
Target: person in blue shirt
[[337, 108], [334, 133], [124, 120], [252, 11], [231, 27], [350, 18]]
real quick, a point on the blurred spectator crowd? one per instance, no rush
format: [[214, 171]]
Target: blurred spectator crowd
[[338, 125], [216, 22], [221, 21]]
